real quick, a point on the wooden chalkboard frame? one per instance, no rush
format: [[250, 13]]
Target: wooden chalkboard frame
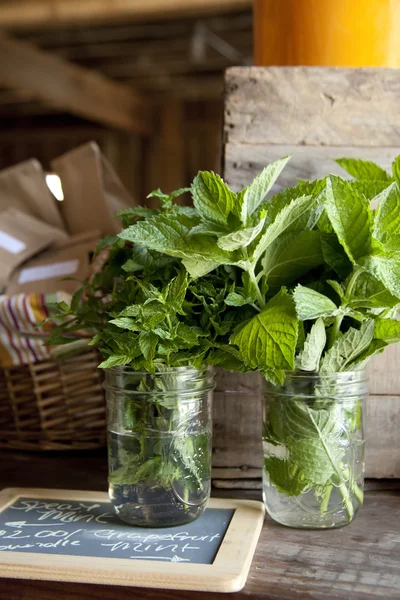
[[228, 572]]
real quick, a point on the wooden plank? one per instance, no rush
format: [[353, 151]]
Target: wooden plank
[[360, 562], [238, 484], [382, 433], [312, 106], [72, 13], [68, 87], [244, 161], [244, 473], [237, 421], [383, 372]]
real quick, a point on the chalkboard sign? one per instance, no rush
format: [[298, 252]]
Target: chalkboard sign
[[64, 531], [91, 529]]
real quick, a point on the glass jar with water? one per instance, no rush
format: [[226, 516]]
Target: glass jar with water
[[159, 444], [313, 449]]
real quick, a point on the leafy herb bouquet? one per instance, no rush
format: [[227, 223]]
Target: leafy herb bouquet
[[307, 280]]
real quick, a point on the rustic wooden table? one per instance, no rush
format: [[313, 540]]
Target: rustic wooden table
[[359, 562]]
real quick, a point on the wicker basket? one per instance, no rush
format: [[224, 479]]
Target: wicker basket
[[53, 405]]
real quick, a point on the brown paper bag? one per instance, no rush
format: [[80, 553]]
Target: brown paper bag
[[45, 274], [24, 187], [93, 193], [21, 237], [88, 237]]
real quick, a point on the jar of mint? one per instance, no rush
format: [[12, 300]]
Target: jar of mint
[[159, 444], [313, 449]]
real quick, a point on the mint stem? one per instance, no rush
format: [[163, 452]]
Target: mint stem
[[344, 492], [359, 494], [261, 299], [326, 498], [339, 318], [335, 330]]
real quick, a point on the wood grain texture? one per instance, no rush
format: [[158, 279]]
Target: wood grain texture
[[358, 562], [383, 373], [382, 434], [66, 86], [244, 161], [313, 106], [73, 13]]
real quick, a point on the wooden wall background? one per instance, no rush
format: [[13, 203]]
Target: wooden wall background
[[316, 114], [188, 139], [174, 66]]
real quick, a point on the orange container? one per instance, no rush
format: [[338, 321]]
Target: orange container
[[342, 33]]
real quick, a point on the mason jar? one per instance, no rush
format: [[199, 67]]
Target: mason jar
[[313, 449], [159, 444]]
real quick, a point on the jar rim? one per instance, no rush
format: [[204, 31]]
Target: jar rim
[[357, 374], [167, 371]]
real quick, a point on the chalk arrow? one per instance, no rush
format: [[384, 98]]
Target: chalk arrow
[[173, 559], [179, 559], [19, 524]]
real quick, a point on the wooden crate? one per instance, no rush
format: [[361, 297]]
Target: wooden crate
[[316, 114]]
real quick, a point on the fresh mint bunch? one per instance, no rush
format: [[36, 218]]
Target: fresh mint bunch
[[307, 279]]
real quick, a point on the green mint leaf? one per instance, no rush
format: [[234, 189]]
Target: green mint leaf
[[347, 348], [147, 343], [162, 233], [335, 256], [125, 323], [387, 218], [114, 361], [386, 269], [284, 477], [170, 235], [147, 317], [106, 241], [315, 445], [290, 256], [350, 216], [251, 197], [188, 334], [166, 200], [387, 330], [313, 347], [142, 258], [268, 341], [375, 347], [236, 299], [362, 169], [212, 197], [137, 211], [278, 202], [175, 291], [391, 243], [308, 438], [198, 268], [240, 238], [286, 218], [369, 188], [369, 292], [337, 287], [209, 229], [396, 169], [310, 304]]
